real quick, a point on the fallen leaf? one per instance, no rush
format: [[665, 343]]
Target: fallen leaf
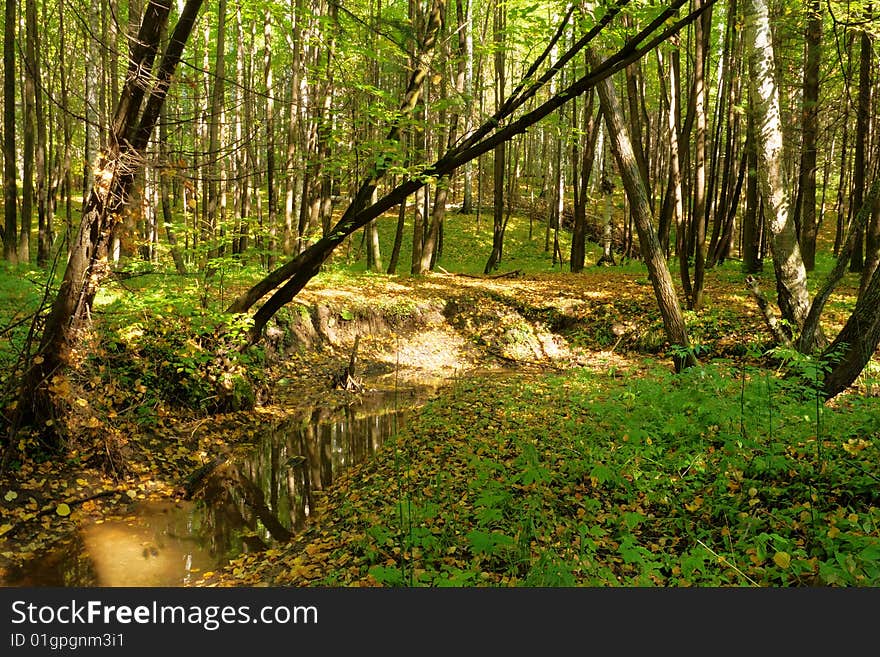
[[782, 559]]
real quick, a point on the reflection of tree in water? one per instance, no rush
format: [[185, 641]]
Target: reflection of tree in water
[[224, 525], [242, 504], [268, 494], [294, 461]]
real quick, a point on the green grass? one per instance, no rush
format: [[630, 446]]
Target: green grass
[[719, 477], [467, 245], [21, 292]]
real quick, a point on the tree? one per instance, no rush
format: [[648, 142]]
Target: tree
[[10, 175], [857, 342], [649, 244], [861, 146], [864, 128], [137, 112], [791, 275], [213, 205], [697, 233], [855, 345], [591, 123], [806, 205], [500, 152]]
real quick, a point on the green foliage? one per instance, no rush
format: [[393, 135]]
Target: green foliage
[[651, 480], [21, 292], [158, 341]]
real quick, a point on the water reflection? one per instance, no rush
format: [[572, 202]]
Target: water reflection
[[273, 486], [156, 545], [246, 504]]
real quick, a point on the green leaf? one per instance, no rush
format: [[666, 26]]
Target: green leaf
[[782, 559]]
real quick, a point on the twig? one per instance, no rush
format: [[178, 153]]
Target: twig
[[723, 559]]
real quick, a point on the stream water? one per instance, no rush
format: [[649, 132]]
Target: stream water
[[246, 504]]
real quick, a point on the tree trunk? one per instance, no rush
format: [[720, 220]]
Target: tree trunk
[[722, 178], [587, 155], [10, 174], [842, 179], [466, 38], [791, 276], [215, 121], [808, 335], [166, 170], [431, 247], [856, 343], [34, 65], [872, 230], [753, 218], [698, 215], [652, 253], [28, 137], [810, 131], [498, 213], [607, 188], [418, 230], [398, 240], [863, 127], [87, 264], [498, 170]]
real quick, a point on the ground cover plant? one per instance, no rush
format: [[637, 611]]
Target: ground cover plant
[[721, 477]]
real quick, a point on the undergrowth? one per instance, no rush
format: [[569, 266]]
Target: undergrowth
[[717, 477]]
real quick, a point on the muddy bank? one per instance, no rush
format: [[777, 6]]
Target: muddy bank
[[417, 341]]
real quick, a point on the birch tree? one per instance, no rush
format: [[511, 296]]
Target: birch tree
[[791, 275]]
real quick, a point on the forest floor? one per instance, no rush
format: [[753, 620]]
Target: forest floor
[[499, 487]]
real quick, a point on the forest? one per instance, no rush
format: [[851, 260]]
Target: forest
[[430, 293]]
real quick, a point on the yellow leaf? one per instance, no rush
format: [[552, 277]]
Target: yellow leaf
[[62, 509], [10, 495], [38, 360], [782, 559], [5, 528], [82, 482], [131, 493]]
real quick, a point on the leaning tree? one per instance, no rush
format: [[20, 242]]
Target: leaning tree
[[137, 112]]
